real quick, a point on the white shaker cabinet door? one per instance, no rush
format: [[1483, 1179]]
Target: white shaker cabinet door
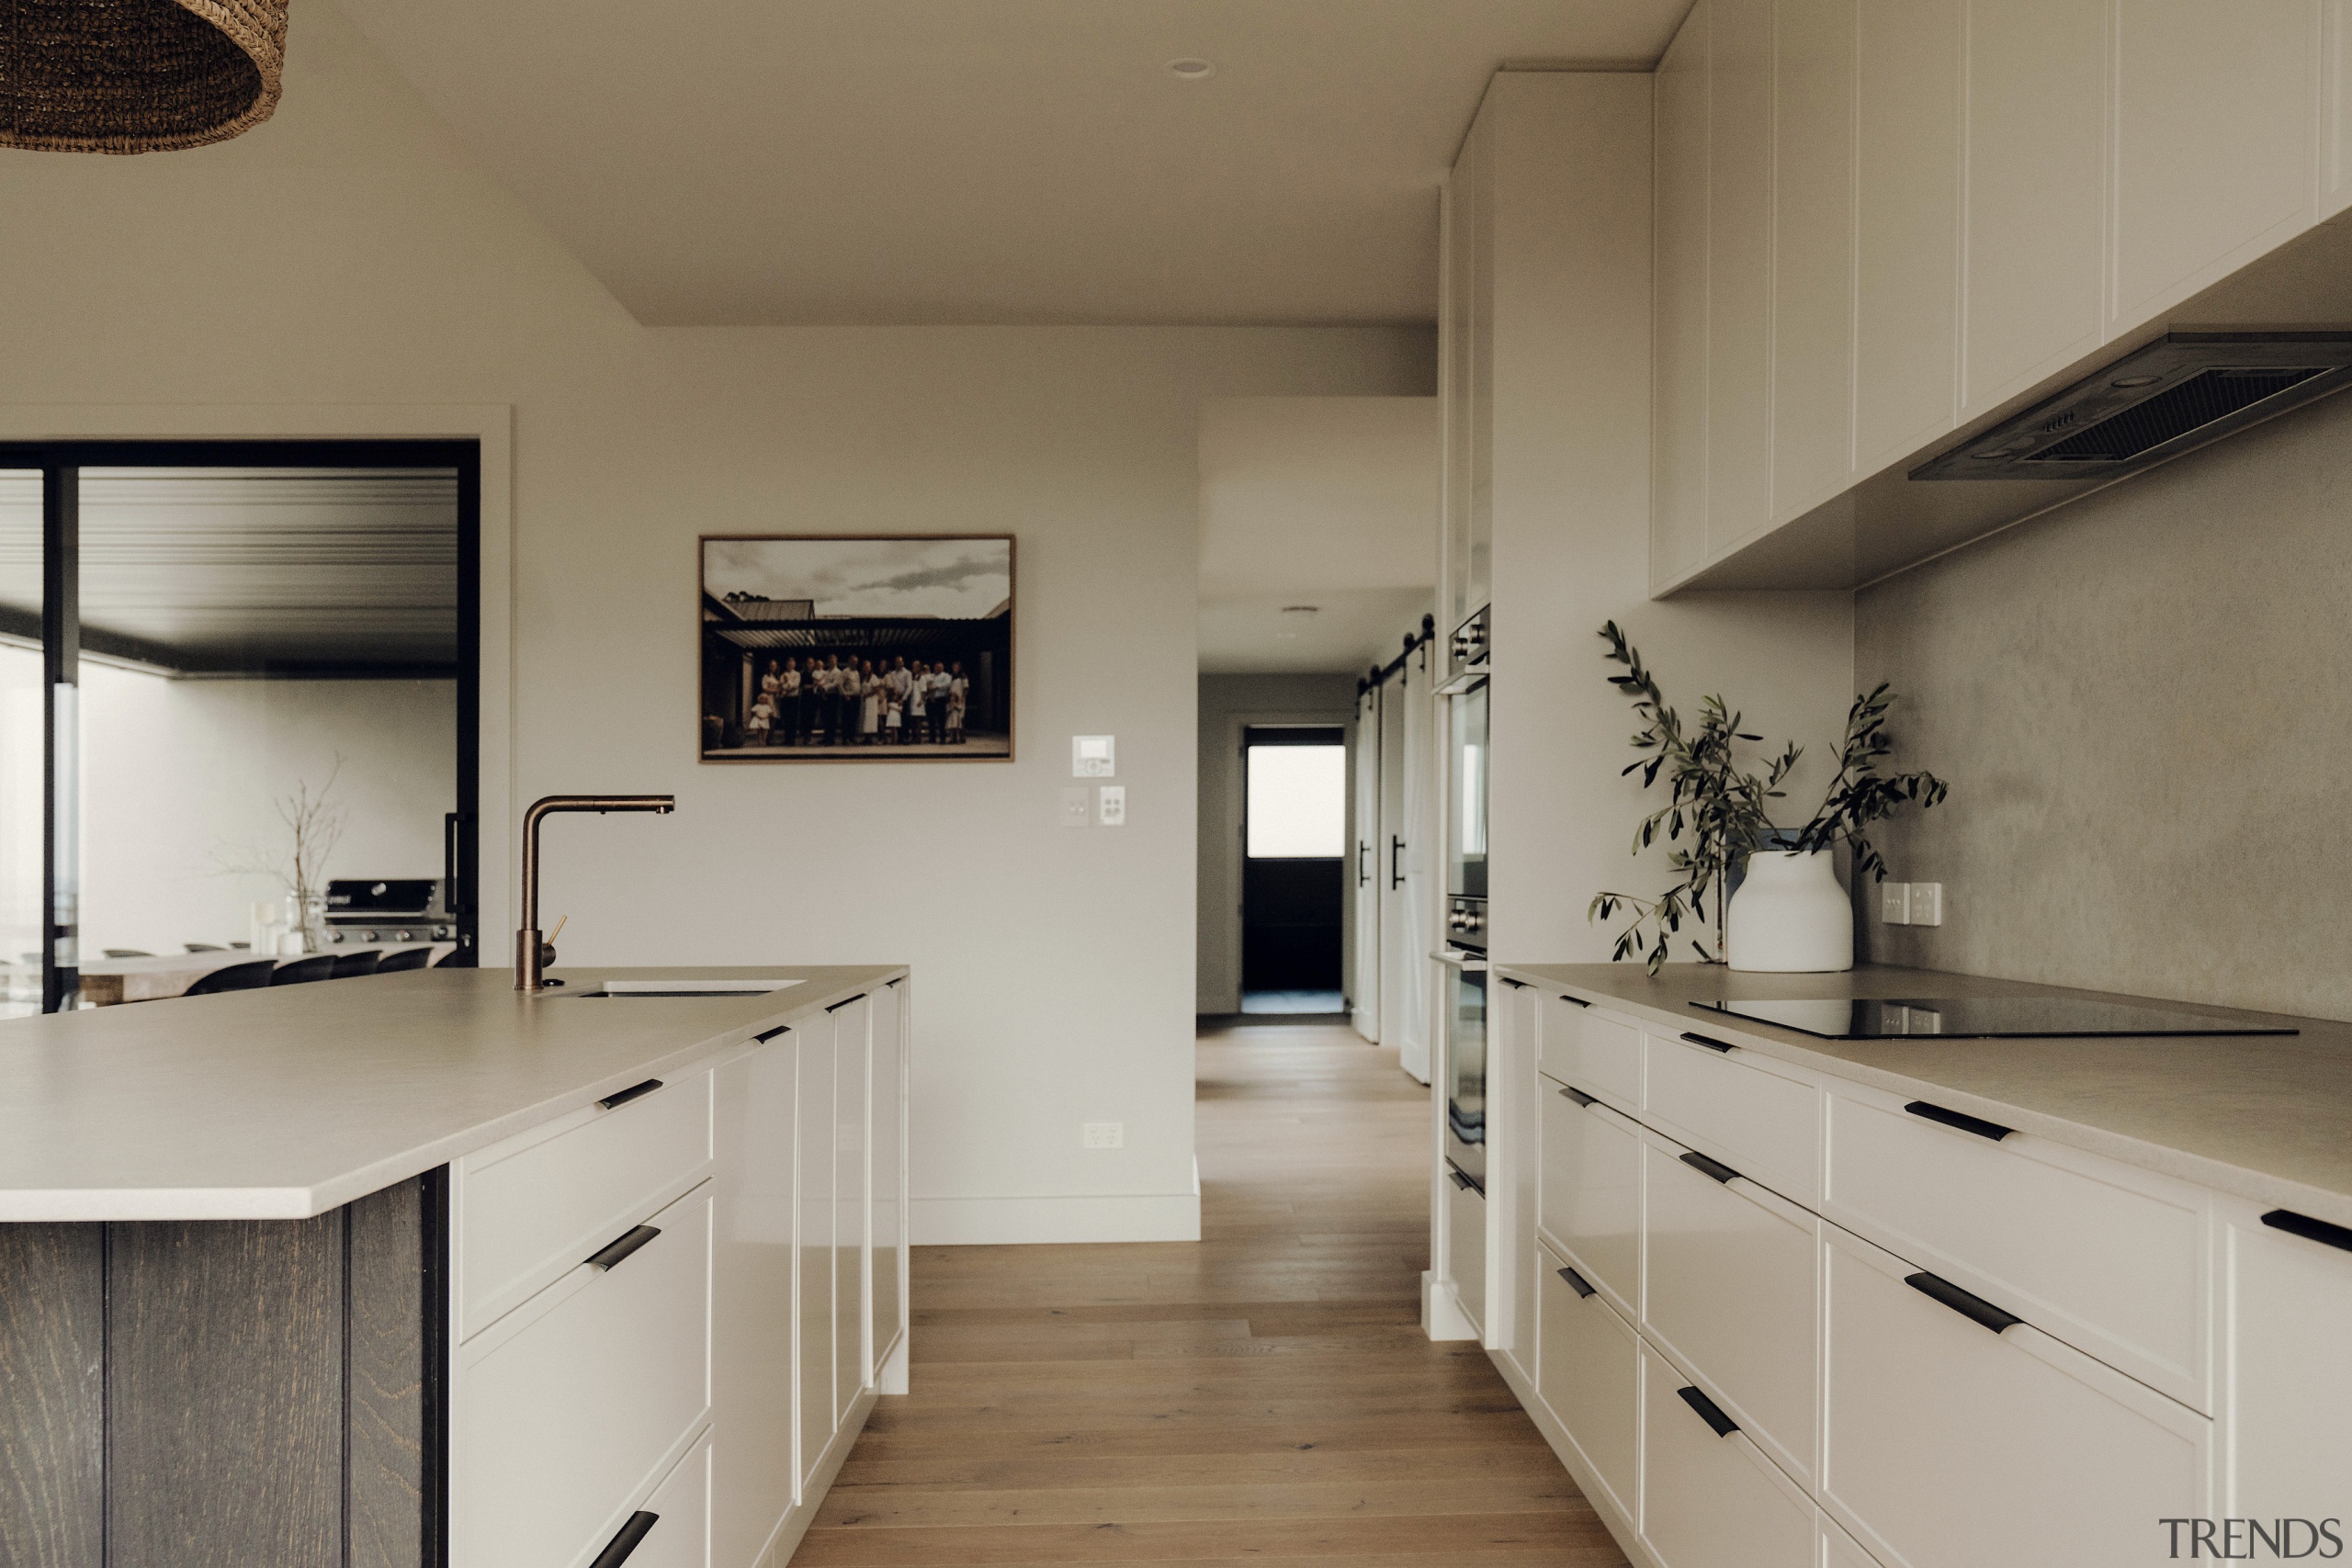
[[751, 1297], [815, 1151], [1466, 1246], [2216, 134], [1590, 1203], [852, 1054], [2288, 1319], [1949, 1442], [1731, 1286], [888, 1166], [1678, 393], [1812, 253], [1739, 272], [680, 1534], [1587, 1370], [1710, 1498], [2037, 181], [1907, 227]]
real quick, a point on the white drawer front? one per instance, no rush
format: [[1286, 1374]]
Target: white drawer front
[[1711, 1501], [1731, 1286], [571, 1406], [1586, 1365], [1465, 1248], [1762, 1119], [1590, 1205], [2289, 1324], [2109, 1258], [1949, 1445], [1597, 1051], [528, 1209], [679, 1533]]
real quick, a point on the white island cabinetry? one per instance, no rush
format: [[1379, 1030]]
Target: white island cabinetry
[[661, 1305]]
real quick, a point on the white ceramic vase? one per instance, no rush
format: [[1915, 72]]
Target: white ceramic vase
[[1789, 916]]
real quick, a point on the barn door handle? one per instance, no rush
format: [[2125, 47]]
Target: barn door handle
[[1396, 849]]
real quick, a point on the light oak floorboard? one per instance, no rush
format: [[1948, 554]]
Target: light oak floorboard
[[1264, 1396]]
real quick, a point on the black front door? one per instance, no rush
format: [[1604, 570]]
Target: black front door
[[1293, 869]]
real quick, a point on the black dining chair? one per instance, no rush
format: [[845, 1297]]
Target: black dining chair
[[126, 953], [346, 965], [299, 971], [234, 977], [449, 959], [406, 958]]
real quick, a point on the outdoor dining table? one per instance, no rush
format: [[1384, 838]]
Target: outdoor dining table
[[107, 981]]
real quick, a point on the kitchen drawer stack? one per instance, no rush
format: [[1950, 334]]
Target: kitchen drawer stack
[[670, 1311], [1783, 1318]]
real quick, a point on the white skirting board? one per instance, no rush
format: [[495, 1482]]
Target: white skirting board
[[1014, 1222], [1442, 1314]]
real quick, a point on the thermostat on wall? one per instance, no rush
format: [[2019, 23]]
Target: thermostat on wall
[[1092, 756]]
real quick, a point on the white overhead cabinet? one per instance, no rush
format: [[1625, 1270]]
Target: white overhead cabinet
[[665, 1330], [1880, 219]]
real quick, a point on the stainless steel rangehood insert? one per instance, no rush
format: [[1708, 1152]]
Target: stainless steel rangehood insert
[[2181, 391]]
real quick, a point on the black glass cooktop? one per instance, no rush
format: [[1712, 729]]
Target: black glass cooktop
[[1982, 1018]]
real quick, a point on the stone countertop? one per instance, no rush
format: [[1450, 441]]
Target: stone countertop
[[286, 1102], [2266, 1117]]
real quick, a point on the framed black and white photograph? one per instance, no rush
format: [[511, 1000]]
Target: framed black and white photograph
[[892, 648]]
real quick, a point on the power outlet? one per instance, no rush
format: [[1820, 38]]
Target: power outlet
[[1104, 1136], [1927, 903], [1115, 806], [1894, 902], [1078, 807]]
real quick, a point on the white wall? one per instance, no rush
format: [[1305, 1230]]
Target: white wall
[[181, 780], [352, 252]]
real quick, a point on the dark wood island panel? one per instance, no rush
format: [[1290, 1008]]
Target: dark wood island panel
[[225, 1394]]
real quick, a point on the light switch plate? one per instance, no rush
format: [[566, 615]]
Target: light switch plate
[[1093, 756], [1104, 1135], [1894, 902], [1078, 811], [1927, 903], [1115, 806]]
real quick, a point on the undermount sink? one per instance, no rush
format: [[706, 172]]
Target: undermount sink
[[651, 988]]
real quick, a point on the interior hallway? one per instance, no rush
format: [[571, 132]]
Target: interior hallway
[[1265, 1396]]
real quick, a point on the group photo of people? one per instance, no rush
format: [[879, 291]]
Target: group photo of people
[[820, 649], [834, 701]]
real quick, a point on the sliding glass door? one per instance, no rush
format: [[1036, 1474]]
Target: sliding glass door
[[238, 713]]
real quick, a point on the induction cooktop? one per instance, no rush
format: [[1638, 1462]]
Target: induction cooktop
[[1982, 1018]]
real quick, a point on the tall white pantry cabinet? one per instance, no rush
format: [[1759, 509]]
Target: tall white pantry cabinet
[[685, 1396]]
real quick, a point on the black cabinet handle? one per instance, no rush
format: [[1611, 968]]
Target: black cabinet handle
[[1577, 1095], [767, 1034], [1966, 1123], [1708, 1411], [615, 1254], [1576, 1001], [1705, 1167], [1514, 985], [845, 1001], [640, 1524], [1974, 1308], [2310, 1229], [1710, 1045], [624, 1096], [1468, 1182], [1576, 1284]]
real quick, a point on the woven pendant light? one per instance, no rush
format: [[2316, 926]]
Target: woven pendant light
[[136, 75]]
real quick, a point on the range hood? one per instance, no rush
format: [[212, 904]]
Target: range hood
[[2181, 391]]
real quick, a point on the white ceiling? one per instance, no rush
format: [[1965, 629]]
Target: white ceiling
[[727, 161], [1330, 503]]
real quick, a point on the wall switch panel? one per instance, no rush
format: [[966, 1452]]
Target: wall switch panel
[[1927, 903], [1104, 1135], [1894, 902], [1113, 812], [1093, 756], [1077, 807]]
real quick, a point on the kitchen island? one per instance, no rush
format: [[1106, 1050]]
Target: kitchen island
[[1916, 1303], [413, 1269]]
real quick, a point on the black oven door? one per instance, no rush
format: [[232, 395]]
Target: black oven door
[[1466, 1073]]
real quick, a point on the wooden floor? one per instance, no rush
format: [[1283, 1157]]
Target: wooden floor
[[1264, 1396]]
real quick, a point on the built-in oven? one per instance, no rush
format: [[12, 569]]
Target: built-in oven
[[1465, 870], [1465, 1070]]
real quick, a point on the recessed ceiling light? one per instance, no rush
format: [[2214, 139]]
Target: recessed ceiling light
[[1190, 69], [1302, 609], [2136, 381]]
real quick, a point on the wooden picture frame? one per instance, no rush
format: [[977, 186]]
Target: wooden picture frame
[[823, 648]]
